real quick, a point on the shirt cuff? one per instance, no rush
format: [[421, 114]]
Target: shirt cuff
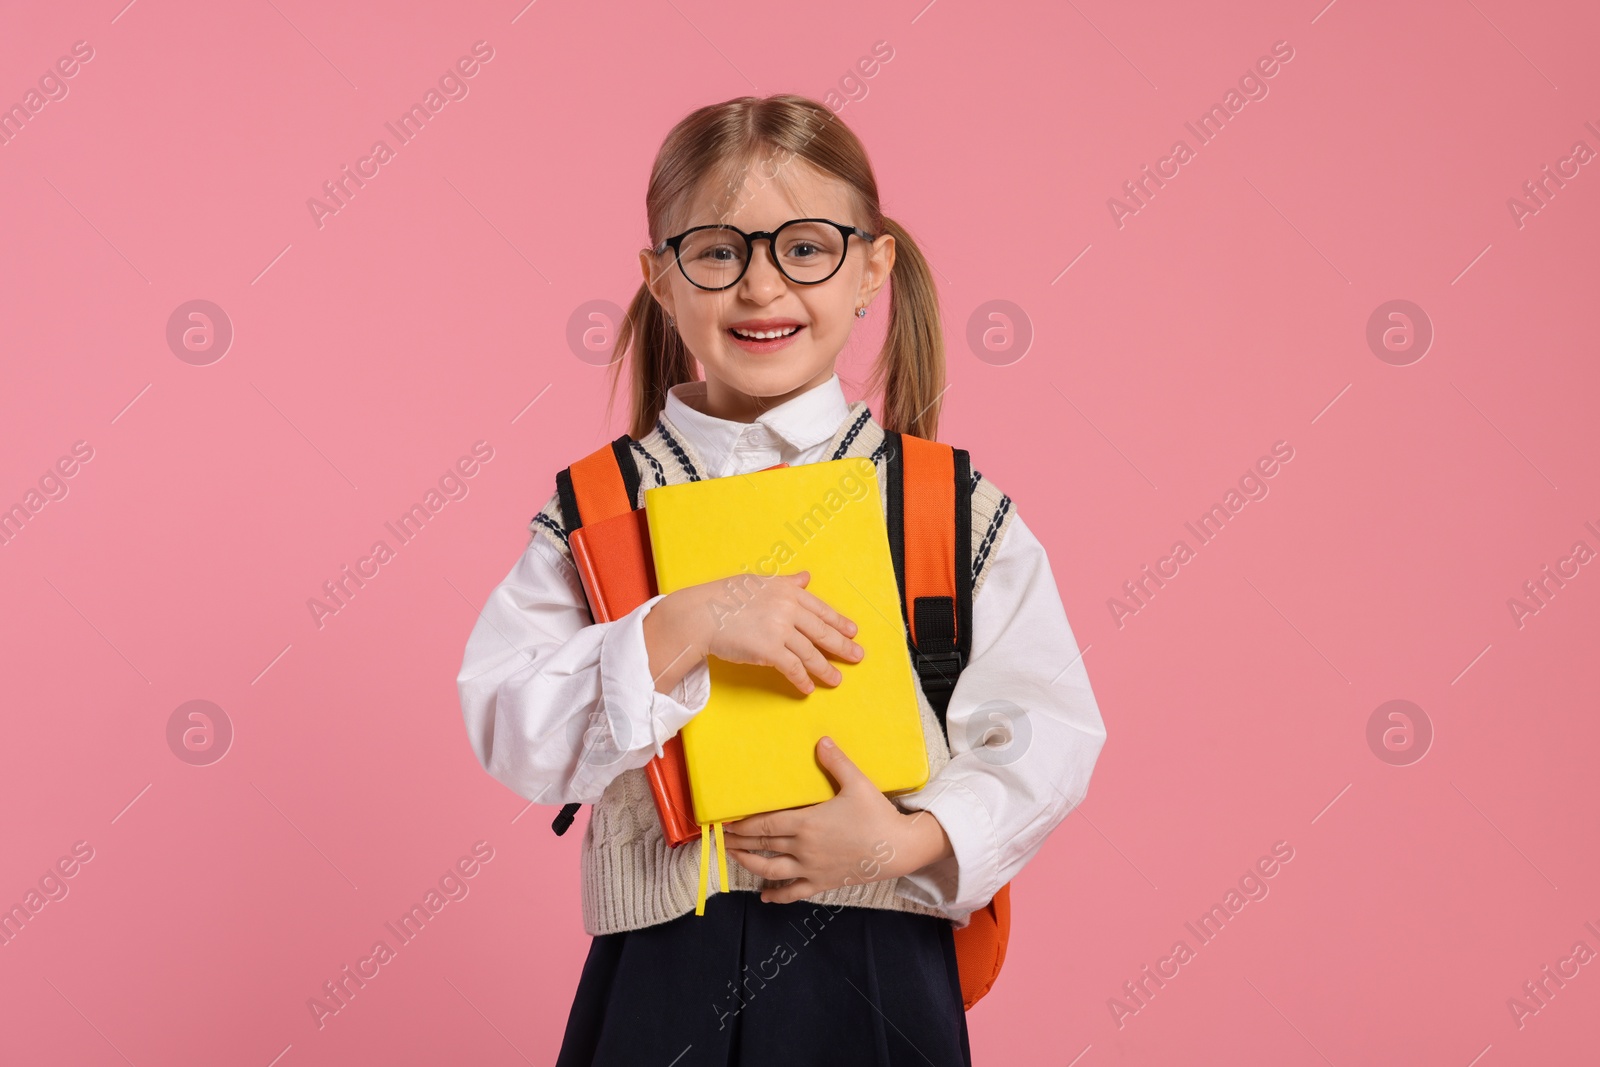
[[639, 717], [966, 881]]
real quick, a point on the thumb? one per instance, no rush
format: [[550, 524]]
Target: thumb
[[800, 577], [841, 767]]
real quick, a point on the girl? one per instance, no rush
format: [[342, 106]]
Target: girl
[[833, 941]]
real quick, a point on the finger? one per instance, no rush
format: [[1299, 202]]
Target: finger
[[824, 611], [792, 668], [760, 842], [829, 639], [815, 662], [841, 767], [772, 824], [776, 867], [798, 889]]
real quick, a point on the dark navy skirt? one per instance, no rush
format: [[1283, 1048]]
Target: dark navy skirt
[[771, 984]]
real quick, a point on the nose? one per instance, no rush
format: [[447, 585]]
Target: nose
[[763, 278]]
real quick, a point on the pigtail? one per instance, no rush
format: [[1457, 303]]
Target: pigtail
[[909, 370], [657, 360]]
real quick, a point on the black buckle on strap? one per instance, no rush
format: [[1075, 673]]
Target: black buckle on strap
[[937, 670], [935, 654]]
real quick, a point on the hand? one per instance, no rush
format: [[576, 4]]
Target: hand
[[747, 618], [858, 836]]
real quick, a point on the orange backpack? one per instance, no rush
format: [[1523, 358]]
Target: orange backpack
[[930, 540]]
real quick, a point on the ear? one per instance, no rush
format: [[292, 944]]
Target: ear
[[656, 278], [880, 265]]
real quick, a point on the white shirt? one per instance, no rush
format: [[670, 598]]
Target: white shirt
[[1023, 724]]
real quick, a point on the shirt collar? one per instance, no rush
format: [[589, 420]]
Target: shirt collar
[[797, 424]]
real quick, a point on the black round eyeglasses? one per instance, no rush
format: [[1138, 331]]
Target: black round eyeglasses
[[805, 251]]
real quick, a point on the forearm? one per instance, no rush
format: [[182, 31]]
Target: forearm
[[926, 841], [557, 706], [675, 639]]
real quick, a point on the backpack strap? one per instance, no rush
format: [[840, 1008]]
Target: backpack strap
[[929, 488], [600, 486], [929, 516]]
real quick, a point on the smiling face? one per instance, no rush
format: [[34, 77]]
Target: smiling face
[[745, 377]]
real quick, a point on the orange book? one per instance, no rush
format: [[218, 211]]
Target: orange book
[[618, 572], [613, 558]]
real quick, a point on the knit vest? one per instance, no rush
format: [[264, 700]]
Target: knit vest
[[631, 877]]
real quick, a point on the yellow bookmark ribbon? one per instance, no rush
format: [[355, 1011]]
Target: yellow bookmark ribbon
[[722, 861], [705, 861], [706, 845]]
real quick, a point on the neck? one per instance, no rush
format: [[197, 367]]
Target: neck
[[723, 400]]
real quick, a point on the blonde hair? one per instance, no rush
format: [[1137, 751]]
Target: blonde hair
[[719, 142]]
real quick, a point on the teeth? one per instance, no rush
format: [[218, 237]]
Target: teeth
[[765, 335]]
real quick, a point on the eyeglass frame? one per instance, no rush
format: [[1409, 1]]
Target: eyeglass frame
[[750, 240]]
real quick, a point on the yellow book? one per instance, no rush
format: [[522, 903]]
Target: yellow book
[[752, 748]]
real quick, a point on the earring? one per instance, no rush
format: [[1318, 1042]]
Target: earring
[[861, 313]]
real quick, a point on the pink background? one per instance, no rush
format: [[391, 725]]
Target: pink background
[[1228, 314]]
